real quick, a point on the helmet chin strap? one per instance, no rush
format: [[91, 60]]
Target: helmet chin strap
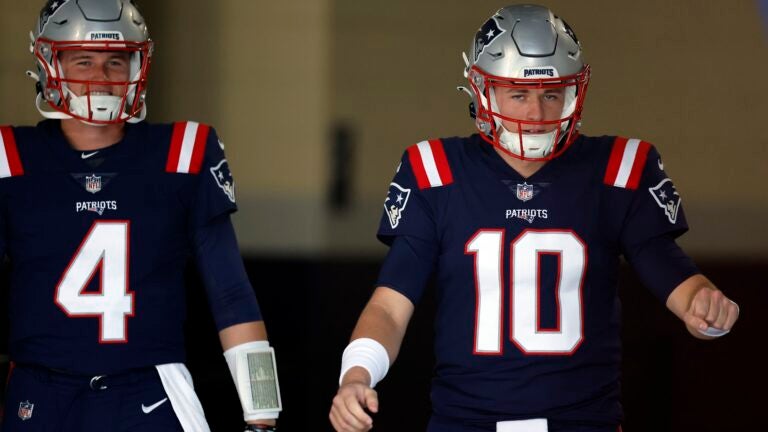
[[105, 107], [536, 145]]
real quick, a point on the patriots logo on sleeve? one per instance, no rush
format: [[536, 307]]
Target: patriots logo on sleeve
[[394, 205], [486, 35], [667, 198], [224, 179]]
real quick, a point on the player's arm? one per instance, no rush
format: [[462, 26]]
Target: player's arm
[[374, 346], [236, 312], [379, 332], [654, 221], [705, 310], [410, 228], [672, 276]]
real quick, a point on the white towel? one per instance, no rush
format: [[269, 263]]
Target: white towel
[[533, 425], [177, 382]]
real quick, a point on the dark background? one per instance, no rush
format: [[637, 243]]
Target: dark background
[[671, 381]]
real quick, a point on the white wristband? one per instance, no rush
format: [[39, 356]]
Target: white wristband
[[252, 365], [367, 354]]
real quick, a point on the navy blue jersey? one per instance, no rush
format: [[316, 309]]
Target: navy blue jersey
[[528, 317], [98, 242]]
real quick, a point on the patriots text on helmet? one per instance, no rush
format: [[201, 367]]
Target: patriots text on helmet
[[97, 36], [537, 72]]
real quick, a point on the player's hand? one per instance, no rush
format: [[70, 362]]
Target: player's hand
[[349, 405], [711, 309]]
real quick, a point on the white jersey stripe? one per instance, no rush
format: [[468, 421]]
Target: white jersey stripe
[[430, 167], [187, 147], [5, 168], [627, 162]]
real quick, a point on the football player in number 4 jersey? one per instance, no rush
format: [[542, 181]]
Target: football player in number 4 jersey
[[523, 225], [100, 212]]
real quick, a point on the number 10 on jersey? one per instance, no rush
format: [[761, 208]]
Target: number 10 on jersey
[[487, 246]]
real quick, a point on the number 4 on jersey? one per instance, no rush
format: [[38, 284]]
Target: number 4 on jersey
[[487, 246], [104, 248]]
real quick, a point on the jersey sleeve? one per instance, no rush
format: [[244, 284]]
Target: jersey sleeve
[[409, 220], [408, 266], [656, 205], [216, 187], [654, 221], [10, 166], [217, 256]]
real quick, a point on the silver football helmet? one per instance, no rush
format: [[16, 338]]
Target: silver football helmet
[[91, 25], [526, 47]]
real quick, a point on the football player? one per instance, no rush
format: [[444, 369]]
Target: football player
[[100, 214], [523, 225]]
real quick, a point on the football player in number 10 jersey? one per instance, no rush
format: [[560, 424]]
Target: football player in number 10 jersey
[[523, 226], [100, 213]]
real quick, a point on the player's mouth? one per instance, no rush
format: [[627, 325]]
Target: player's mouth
[[535, 131]]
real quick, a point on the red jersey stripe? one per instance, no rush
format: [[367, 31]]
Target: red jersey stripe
[[11, 152], [441, 161], [614, 162], [198, 152], [173, 154], [637, 167], [417, 165]]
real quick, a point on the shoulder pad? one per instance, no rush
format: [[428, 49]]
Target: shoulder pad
[[626, 163], [10, 163], [430, 164], [187, 147]]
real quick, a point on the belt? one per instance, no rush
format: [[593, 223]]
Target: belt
[[94, 382]]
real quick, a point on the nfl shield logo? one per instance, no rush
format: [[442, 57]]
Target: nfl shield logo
[[25, 410], [93, 183], [524, 192]]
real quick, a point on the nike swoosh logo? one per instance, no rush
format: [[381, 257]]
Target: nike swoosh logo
[[149, 409], [87, 155]]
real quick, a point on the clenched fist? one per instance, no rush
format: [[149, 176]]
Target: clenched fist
[[711, 312]]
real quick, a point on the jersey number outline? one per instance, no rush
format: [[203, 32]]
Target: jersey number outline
[[105, 249], [525, 251]]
